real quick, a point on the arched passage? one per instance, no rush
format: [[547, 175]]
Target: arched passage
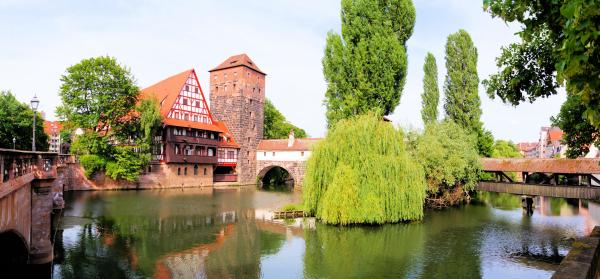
[[14, 250], [276, 177]]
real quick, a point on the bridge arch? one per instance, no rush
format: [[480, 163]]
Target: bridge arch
[[262, 174], [14, 250]]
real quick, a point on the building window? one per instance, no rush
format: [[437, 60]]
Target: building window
[[265, 154], [195, 118], [197, 104], [225, 88], [196, 169], [216, 77], [176, 115], [178, 170], [248, 139], [205, 172], [254, 127], [251, 114], [302, 153], [210, 152], [184, 101], [177, 150], [273, 153], [185, 171], [187, 88]]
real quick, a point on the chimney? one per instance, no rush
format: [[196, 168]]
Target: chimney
[[291, 139]]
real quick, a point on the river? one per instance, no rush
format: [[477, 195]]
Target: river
[[195, 233]]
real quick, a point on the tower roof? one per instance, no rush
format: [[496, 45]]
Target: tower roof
[[238, 60]]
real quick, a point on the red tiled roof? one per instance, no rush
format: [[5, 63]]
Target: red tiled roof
[[166, 92], [555, 134], [282, 144], [238, 60], [527, 146], [48, 125], [228, 134]]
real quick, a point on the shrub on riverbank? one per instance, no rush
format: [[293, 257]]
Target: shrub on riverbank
[[449, 157], [361, 173]]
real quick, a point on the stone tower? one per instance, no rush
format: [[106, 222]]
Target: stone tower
[[237, 95]]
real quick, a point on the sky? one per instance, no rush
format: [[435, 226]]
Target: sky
[[286, 39]]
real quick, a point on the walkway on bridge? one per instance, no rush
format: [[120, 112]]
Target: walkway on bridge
[[565, 178]]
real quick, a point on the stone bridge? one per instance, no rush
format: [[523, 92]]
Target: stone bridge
[[27, 200], [290, 154]]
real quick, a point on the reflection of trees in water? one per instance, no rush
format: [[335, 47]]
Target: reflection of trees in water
[[362, 252], [500, 200]]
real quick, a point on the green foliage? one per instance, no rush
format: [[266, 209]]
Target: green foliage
[[150, 118], [579, 133], [485, 142], [365, 66], [505, 149], [559, 43], [448, 154], [276, 126], [127, 164], [96, 93], [292, 207], [461, 84], [16, 120], [92, 164], [364, 160], [431, 92]]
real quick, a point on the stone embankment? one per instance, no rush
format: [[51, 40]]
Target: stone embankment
[[582, 260]]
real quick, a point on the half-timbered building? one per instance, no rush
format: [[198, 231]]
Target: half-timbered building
[[192, 148]]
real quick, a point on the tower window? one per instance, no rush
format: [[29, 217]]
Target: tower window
[[248, 139], [179, 171], [205, 172], [185, 171], [196, 169]]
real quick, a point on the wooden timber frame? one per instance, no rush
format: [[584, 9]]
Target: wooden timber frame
[[579, 180]]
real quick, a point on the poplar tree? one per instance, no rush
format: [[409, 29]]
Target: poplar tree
[[431, 93], [461, 85], [365, 66]]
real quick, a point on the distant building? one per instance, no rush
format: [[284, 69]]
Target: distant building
[[52, 129], [528, 149], [550, 145]]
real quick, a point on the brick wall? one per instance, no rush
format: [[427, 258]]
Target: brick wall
[[237, 98]]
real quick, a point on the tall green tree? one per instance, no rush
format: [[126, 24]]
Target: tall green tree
[[559, 46], [16, 121], [97, 93], [365, 66], [461, 84], [431, 93], [579, 133], [505, 149], [276, 126]]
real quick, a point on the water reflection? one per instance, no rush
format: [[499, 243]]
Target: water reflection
[[207, 234]]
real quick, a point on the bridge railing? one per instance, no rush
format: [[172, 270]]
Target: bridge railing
[[18, 163]]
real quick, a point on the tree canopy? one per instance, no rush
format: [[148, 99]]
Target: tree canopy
[[16, 120], [505, 149], [362, 173], [559, 46], [431, 93], [579, 133], [365, 66], [97, 93], [461, 84], [448, 154], [276, 126]]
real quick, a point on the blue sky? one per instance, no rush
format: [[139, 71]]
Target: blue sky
[[156, 39]]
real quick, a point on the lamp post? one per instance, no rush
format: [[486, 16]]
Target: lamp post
[[14, 142], [34, 105]]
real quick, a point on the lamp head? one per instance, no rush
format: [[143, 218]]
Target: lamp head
[[34, 103]]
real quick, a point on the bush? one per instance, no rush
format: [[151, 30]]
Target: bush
[[127, 165], [92, 164], [361, 173], [291, 207], [449, 157]]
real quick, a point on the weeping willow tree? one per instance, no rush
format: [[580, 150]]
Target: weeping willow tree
[[361, 173]]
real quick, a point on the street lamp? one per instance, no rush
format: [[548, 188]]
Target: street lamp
[[14, 142], [34, 106]]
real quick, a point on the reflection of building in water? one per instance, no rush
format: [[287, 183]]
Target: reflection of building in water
[[191, 262]]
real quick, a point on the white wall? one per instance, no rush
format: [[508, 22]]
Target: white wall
[[262, 155]]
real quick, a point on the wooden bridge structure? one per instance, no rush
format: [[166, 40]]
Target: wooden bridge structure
[[564, 178], [27, 200]]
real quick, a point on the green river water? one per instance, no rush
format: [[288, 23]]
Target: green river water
[[196, 233]]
